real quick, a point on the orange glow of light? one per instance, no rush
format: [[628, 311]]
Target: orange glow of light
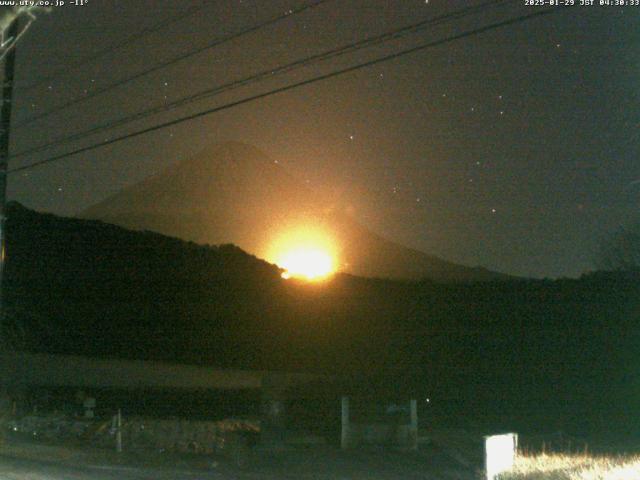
[[306, 253], [304, 263]]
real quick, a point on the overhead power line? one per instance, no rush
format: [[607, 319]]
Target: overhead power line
[[268, 73], [116, 46], [172, 61], [292, 86]]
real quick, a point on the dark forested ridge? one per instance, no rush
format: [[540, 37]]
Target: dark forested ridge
[[565, 348]]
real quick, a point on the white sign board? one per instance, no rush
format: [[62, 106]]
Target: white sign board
[[500, 453]]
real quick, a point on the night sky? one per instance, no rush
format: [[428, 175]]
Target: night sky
[[515, 149]]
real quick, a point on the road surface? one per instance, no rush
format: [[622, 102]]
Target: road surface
[[22, 469], [317, 463]]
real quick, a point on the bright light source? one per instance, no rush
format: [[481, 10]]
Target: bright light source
[[305, 252], [305, 263]]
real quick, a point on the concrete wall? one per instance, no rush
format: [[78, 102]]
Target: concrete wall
[[139, 433], [176, 435]]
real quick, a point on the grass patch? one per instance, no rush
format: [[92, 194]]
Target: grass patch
[[558, 466]]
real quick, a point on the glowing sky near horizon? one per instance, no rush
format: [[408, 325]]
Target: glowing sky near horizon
[[305, 251], [309, 264]]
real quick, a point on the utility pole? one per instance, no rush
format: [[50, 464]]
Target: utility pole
[[5, 125]]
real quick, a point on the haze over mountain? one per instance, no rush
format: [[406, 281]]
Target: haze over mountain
[[234, 193]]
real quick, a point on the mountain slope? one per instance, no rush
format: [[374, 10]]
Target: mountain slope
[[89, 288], [233, 193]]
